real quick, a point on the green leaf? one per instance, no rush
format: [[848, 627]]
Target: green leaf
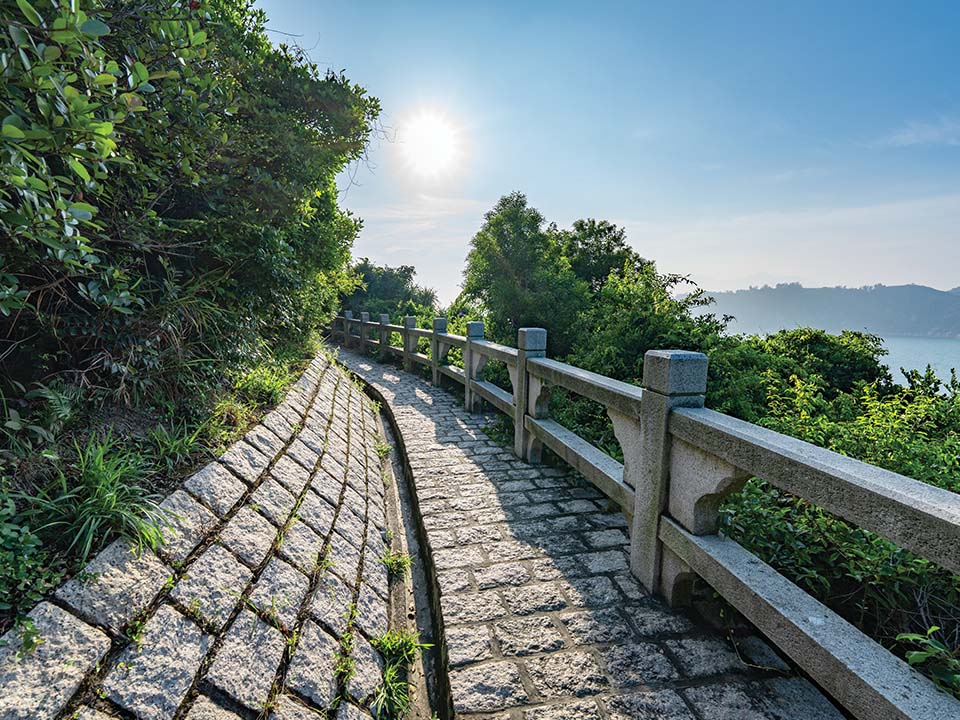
[[32, 16], [79, 169], [51, 53], [12, 132], [104, 79], [95, 28], [140, 72]]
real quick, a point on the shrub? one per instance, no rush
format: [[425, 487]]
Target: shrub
[[26, 569]]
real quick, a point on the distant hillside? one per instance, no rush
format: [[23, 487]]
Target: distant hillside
[[906, 310]]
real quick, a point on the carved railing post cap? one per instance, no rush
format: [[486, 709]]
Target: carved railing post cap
[[675, 372], [409, 321], [365, 317], [348, 314], [532, 339], [440, 324], [384, 318], [475, 329]]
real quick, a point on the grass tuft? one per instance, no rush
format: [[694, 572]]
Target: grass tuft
[[397, 563], [399, 648]]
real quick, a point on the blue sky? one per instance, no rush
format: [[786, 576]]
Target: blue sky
[[742, 143]]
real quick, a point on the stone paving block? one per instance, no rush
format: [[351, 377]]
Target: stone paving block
[[265, 442], [279, 592], [212, 585], [288, 707], [350, 527], [759, 653], [454, 581], [278, 425], [289, 473], [371, 612], [652, 618], [331, 602], [776, 699], [468, 644], [247, 662], [116, 585], [605, 625], [368, 673], [346, 711], [301, 546], [216, 487], [154, 673], [698, 657], [578, 710], [606, 538], [273, 501], [300, 453], [89, 713], [633, 664], [327, 487], [501, 575], [246, 461], [187, 523], [536, 598], [591, 592], [205, 709], [311, 670], [570, 674], [249, 536], [527, 636], [458, 558], [487, 687], [344, 558], [660, 705], [317, 513], [37, 685], [471, 607], [606, 561]]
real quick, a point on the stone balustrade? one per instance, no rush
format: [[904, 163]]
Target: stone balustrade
[[680, 461]]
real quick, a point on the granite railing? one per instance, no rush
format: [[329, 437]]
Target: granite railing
[[680, 461]]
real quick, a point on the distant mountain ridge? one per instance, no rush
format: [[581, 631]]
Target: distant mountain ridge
[[903, 310]]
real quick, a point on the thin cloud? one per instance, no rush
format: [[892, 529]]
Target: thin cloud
[[944, 131]]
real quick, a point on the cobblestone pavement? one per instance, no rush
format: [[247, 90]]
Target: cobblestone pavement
[[542, 618], [248, 607]]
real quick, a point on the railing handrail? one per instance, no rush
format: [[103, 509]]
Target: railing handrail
[[927, 517], [610, 393]]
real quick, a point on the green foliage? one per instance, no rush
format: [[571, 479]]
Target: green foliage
[[169, 197], [26, 571], [399, 648], [385, 289], [101, 497], [938, 661]]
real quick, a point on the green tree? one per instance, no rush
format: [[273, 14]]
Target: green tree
[[517, 271], [385, 289], [595, 248]]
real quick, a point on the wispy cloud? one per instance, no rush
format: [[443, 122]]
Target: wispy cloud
[[945, 130]]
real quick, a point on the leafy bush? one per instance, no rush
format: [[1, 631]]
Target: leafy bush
[[935, 659], [26, 569], [101, 497]]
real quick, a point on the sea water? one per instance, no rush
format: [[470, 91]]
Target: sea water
[[915, 353]]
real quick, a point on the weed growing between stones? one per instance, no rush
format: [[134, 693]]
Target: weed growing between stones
[[397, 563], [399, 649], [382, 447]]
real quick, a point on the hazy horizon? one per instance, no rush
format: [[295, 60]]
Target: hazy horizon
[[742, 145]]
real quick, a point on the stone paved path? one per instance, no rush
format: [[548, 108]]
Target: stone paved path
[[271, 577], [543, 620], [248, 607]]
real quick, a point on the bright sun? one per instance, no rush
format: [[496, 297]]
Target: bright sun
[[430, 143]]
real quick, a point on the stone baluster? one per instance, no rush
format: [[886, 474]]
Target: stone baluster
[[473, 363], [409, 342], [438, 349], [531, 343]]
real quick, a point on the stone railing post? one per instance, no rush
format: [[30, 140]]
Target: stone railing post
[[409, 342], [472, 366], [347, 319], [364, 318], [671, 378], [437, 348], [531, 343], [384, 336]]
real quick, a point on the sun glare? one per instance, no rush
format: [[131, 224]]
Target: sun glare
[[430, 144]]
